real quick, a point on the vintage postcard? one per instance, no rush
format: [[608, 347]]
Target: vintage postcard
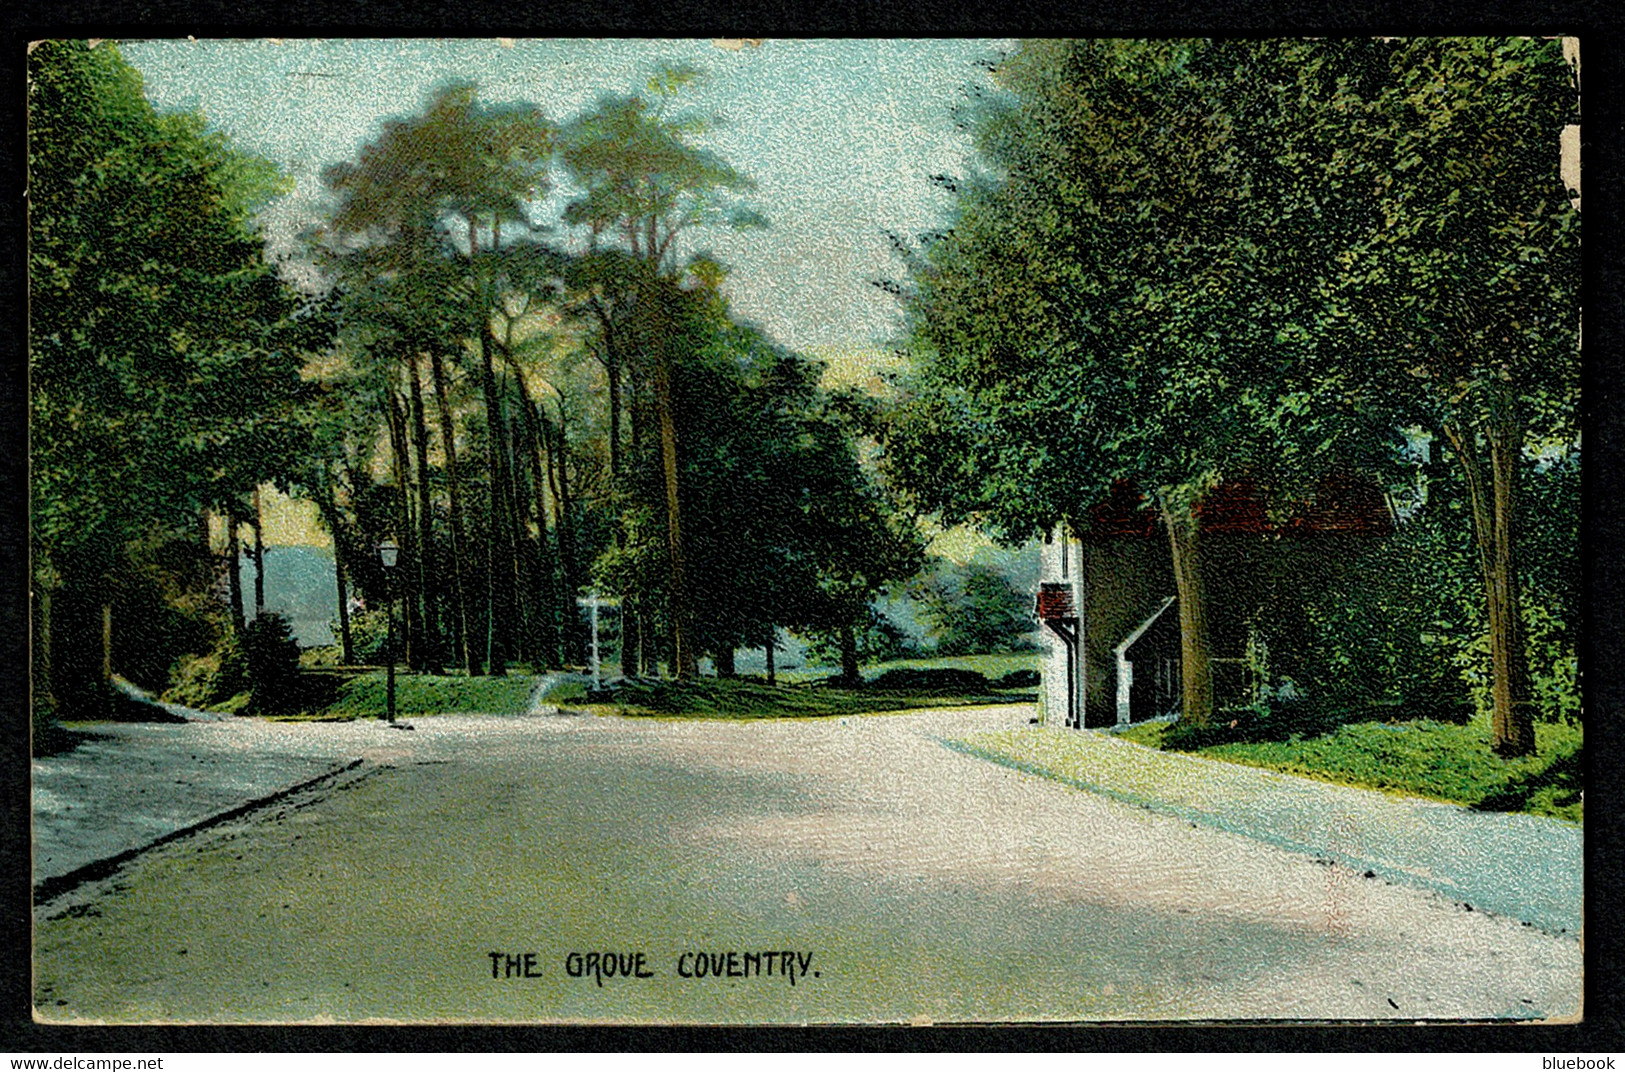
[[805, 532]]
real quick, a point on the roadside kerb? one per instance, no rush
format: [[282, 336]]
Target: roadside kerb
[[50, 888], [1551, 916]]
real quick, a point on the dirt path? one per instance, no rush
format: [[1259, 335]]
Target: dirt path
[[907, 880]]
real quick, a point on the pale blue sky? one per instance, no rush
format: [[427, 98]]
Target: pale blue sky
[[840, 137]]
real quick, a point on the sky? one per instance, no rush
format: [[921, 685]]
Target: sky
[[840, 137]]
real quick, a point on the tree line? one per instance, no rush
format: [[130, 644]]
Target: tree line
[[1182, 262], [529, 407], [1176, 263]]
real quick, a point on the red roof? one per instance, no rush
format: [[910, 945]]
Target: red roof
[[1343, 502]]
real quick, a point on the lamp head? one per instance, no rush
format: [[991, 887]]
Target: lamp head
[[388, 552]]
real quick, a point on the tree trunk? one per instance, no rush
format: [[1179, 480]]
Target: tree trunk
[[259, 555], [342, 579], [564, 525], [428, 581], [769, 647], [638, 417], [850, 678], [459, 542], [401, 465], [107, 646], [725, 662], [639, 653], [685, 664], [1196, 664], [612, 368], [1512, 723], [523, 631], [208, 565], [234, 569], [495, 661], [543, 563], [499, 555], [328, 506]]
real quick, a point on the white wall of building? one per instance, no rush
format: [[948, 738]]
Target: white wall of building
[[1061, 561]]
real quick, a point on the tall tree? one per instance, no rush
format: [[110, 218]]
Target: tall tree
[[163, 348], [1097, 311], [647, 184], [447, 182], [1458, 311]]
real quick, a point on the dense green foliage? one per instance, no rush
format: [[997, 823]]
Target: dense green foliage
[[1186, 262], [271, 660], [210, 680], [1179, 262], [164, 357], [736, 504], [524, 417], [973, 608]]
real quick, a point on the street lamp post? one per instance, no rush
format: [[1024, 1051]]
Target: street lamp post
[[388, 554]]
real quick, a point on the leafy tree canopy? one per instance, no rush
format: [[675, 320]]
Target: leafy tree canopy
[[164, 350]]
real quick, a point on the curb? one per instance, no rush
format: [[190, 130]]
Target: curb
[[1545, 921], [51, 888]]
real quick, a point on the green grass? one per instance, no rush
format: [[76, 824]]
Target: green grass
[[994, 665], [425, 694], [745, 698], [421, 694], [1438, 760]]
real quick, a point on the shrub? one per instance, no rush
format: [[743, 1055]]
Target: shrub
[[271, 656], [973, 608], [878, 640], [939, 679], [369, 636], [209, 680]]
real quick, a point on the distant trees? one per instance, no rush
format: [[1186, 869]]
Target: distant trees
[[164, 351], [973, 608], [1188, 260], [597, 413]]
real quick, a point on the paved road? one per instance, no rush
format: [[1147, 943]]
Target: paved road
[[1529, 867], [129, 784], [902, 879]]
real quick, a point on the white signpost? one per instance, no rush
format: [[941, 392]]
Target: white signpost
[[592, 602]]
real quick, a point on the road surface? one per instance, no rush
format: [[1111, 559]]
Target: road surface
[[839, 870]]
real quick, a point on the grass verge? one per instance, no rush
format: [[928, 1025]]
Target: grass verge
[[746, 698], [994, 665], [1438, 760], [427, 694]]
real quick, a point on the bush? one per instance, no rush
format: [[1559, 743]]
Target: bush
[[937, 679], [1283, 719], [1184, 736], [209, 680], [973, 608], [879, 639], [369, 636], [1267, 720], [1018, 679], [271, 657]]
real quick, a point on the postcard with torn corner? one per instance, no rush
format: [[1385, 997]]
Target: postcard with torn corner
[[793, 531]]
